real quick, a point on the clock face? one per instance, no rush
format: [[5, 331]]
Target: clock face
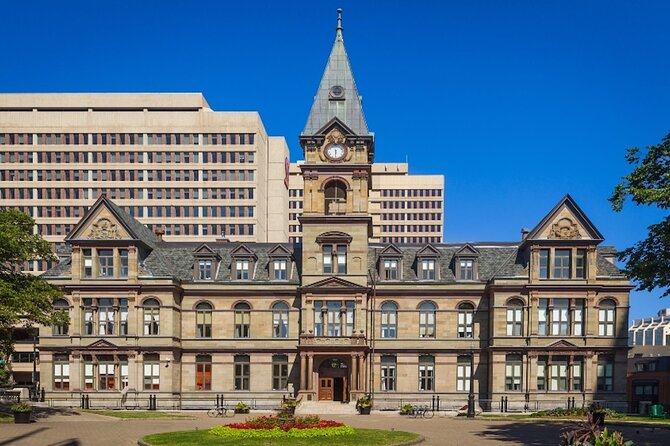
[[335, 151]]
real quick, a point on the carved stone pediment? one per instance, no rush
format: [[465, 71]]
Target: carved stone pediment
[[566, 229], [104, 229], [562, 344], [102, 345]]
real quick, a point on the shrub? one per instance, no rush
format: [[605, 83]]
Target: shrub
[[325, 428], [21, 407], [241, 407], [593, 437], [576, 412], [407, 408]]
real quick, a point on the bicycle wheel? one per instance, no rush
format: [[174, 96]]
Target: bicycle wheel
[[213, 413], [228, 412], [428, 413]]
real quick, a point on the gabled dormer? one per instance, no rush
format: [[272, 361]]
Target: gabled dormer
[[466, 263], [280, 266], [108, 243], [390, 263], [427, 263], [243, 263], [206, 263], [563, 245]]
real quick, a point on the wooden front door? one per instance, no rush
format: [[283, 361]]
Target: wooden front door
[[326, 389]]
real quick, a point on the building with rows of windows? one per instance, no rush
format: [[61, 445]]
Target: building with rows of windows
[[538, 320]]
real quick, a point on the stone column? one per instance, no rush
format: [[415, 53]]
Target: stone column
[[354, 372], [362, 385], [303, 371], [310, 371]]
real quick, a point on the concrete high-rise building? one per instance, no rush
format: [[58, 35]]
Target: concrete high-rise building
[[405, 208], [168, 159]]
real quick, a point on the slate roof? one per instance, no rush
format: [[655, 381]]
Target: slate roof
[[142, 232], [324, 109]]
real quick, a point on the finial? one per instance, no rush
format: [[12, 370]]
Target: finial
[[339, 24]]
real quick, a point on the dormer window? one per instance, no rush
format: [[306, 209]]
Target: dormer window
[[465, 263], [426, 263], [206, 263], [205, 269], [427, 269], [334, 247], [280, 263], [243, 263], [390, 269], [279, 269]]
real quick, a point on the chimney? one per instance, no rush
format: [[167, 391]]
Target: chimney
[[524, 233], [159, 233]]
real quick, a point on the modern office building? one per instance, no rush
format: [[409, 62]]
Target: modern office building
[[649, 362], [405, 208], [538, 319], [168, 159]]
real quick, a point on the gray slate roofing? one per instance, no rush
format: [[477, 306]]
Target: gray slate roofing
[[142, 232], [324, 109]]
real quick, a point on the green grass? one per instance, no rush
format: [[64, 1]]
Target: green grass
[[367, 437], [136, 414], [6, 417], [625, 418]]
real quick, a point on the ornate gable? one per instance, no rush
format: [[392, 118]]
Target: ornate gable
[[242, 251], [428, 251], [562, 344], [334, 283], [205, 251], [566, 221], [102, 344], [102, 222], [279, 251], [467, 251], [390, 251]]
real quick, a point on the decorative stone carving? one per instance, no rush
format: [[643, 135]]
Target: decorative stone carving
[[104, 229], [564, 229]]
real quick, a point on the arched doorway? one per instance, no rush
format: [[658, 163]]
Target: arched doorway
[[333, 380]]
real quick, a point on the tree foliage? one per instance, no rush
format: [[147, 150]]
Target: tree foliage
[[25, 300], [648, 261]]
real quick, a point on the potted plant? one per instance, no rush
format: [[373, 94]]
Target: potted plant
[[22, 413], [364, 405], [597, 414], [288, 405], [242, 408], [407, 409]]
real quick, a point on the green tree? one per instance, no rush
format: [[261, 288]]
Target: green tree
[[25, 299], [648, 261]]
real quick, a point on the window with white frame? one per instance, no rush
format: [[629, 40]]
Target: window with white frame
[[465, 320], [463, 371], [105, 317], [388, 373], [389, 321], [280, 320], [558, 370], [513, 365], [560, 317], [151, 372], [242, 269], [427, 320], [426, 373], [152, 317], [606, 314], [390, 269], [279, 269], [61, 367], [427, 269], [515, 318]]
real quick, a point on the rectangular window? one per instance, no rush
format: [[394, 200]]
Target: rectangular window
[[203, 372], [242, 321], [578, 317], [151, 372], [541, 375], [203, 321], [151, 321], [105, 317], [560, 317], [543, 313], [279, 372], [341, 259], [88, 263], [426, 373], [204, 270], [390, 269], [513, 373], [559, 375], [89, 375], [606, 321], [242, 269], [242, 372], [605, 374], [580, 264], [279, 269], [61, 372], [577, 368], [388, 373], [515, 320], [463, 371], [465, 323], [123, 255], [428, 269], [106, 376], [123, 317], [466, 269], [106, 262], [544, 264], [562, 264], [327, 251], [88, 317]]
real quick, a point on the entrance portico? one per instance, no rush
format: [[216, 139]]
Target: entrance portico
[[332, 376]]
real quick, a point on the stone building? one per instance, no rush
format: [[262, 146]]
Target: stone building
[[538, 320]]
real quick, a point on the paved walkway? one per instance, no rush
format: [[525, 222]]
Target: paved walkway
[[85, 429]]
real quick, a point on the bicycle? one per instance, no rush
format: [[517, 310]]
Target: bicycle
[[422, 412], [220, 411]]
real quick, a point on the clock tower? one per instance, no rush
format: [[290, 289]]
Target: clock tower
[[338, 150]]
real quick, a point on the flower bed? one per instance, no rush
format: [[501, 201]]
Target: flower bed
[[275, 427]]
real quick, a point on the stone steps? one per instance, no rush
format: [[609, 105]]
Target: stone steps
[[326, 408]]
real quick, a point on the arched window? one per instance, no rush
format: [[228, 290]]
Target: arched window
[[242, 320], [389, 320], [427, 320], [336, 197], [203, 320], [63, 308], [280, 320], [465, 325], [606, 317], [152, 317], [515, 318]]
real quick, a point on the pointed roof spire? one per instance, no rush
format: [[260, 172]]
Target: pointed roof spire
[[337, 96]]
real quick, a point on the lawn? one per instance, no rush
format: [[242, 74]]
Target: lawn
[[624, 418], [136, 414], [367, 437]]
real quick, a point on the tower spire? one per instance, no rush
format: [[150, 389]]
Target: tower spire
[[338, 30]]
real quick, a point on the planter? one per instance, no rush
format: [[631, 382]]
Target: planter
[[22, 417], [239, 411], [364, 410], [599, 419]]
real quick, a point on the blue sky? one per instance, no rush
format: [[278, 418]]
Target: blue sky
[[516, 103]]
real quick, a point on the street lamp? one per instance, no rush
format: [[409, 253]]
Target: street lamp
[[471, 394]]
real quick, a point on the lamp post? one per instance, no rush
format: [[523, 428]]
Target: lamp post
[[34, 374], [471, 394]]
